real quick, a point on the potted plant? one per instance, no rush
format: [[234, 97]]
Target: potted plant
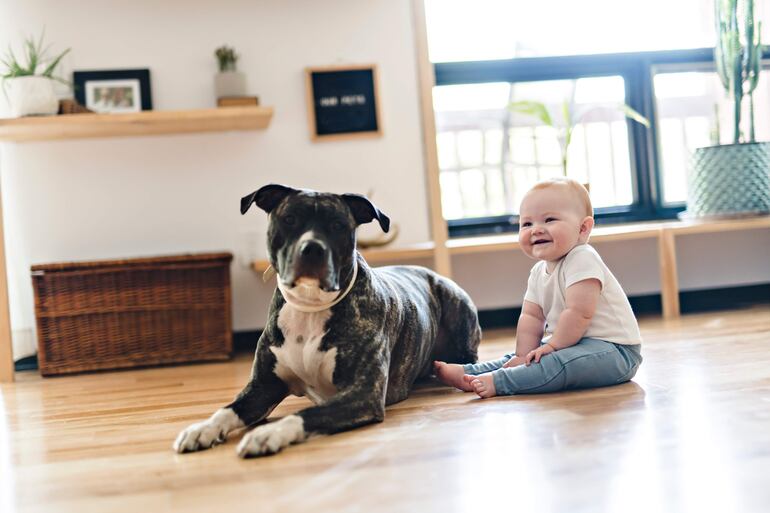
[[229, 81], [733, 180], [571, 119], [28, 85]]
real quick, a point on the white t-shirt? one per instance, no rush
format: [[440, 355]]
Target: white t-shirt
[[613, 320]]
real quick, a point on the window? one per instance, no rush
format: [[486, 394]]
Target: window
[[478, 30], [489, 156], [489, 53]]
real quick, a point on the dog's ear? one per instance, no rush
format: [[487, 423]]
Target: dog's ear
[[364, 211], [267, 197]]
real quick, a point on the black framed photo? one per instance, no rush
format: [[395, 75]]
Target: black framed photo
[[113, 91], [342, 102]]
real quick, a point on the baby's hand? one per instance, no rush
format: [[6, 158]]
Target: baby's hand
[[538, 353]]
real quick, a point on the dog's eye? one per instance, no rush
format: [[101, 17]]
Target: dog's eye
[[290, 220], [338, 226]]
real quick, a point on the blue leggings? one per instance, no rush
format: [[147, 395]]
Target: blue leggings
[[589, 363]]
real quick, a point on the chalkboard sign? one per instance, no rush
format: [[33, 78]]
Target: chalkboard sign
[[342, 102]]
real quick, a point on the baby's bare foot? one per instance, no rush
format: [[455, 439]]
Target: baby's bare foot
[[452, 374], [483, 385]]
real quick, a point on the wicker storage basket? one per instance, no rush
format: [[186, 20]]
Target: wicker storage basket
[[130, 313]]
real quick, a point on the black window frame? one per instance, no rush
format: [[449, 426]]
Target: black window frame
[[637, 70]]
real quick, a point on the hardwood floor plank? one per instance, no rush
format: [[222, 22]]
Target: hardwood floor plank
[[690, 433]]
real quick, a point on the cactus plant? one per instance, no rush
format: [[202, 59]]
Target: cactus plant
[[227, 58], [738, 55]]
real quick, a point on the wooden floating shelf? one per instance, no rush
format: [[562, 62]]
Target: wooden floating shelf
[[80, 126]]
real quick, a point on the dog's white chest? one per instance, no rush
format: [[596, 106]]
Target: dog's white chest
[[299, 361]]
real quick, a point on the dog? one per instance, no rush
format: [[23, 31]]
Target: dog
[[351, 338]]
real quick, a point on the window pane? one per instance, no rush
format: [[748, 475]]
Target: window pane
[[687, 104], [473, 188], [470, 147], [464, 30], [501, 154], [493, 146], [451, 199]]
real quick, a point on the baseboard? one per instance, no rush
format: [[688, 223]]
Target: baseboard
[[690, 301], [719, 299], [26, 363], [245, 341]]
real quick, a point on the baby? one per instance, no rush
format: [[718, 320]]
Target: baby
[[576, 328]]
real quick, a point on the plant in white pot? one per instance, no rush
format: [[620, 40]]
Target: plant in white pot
[[229, 81], [733, 180], [29, 84]]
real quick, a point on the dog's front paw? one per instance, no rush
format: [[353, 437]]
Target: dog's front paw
[[273, 437], [206, 434]]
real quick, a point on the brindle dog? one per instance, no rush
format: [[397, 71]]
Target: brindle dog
[[351, 338]]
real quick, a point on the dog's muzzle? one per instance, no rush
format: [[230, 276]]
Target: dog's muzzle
[[313, 260]]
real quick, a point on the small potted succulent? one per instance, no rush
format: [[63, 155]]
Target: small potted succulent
[[28, 84], [229, 81], [733, 180]]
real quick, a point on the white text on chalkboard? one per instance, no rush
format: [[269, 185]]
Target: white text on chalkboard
[[347, 100]]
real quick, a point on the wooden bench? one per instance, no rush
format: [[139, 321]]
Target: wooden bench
[[665, 233]]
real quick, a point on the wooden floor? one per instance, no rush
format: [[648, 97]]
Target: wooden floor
[[690, 433]]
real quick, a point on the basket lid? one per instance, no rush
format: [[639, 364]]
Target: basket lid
[[187, 258]]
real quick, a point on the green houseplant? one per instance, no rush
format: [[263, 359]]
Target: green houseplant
[[733, 179], [229, 81], [28, 82], [226, 58], [572, 118]]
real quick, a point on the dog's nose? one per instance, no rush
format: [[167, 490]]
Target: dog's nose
[[312, 249]]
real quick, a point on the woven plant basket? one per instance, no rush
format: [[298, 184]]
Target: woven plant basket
[[131, 313], [731, 180]]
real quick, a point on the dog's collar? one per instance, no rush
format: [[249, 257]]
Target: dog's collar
[[317, 308]]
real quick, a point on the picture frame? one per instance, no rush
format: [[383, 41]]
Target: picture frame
[[343, 102], [113, 91]]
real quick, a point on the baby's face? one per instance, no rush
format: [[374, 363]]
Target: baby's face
[[549, 223]]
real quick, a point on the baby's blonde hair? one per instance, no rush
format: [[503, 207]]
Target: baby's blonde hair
[[574, 187]]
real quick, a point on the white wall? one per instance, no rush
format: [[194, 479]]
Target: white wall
[[93, 199], [114, 198]]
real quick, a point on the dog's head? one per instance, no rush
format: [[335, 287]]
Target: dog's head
[[312, 235]]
